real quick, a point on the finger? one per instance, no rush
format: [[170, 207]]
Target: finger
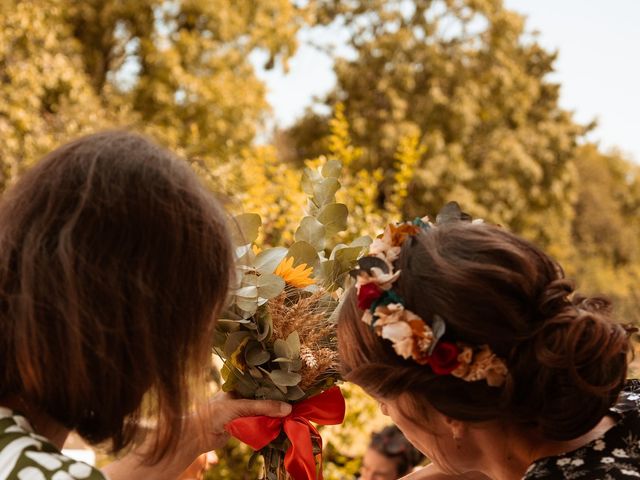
[[270, 408]]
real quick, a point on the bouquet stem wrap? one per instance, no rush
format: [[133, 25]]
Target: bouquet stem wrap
[[327, 408]]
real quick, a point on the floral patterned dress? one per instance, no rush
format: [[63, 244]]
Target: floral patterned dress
[[615, 455], [25, 455]]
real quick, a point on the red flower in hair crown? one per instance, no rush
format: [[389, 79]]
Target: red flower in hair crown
[[411, 336]]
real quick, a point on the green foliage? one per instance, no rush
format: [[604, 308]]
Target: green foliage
[[46, 98], [461, 76], [606, 229], [233, 464], [345, 444], [177, 70]]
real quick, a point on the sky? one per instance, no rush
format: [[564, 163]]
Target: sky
[[598, 67]]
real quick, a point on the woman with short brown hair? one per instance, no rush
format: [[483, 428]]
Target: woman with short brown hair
[[477, 347], [114, 263]]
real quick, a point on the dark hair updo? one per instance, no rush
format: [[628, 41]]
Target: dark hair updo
[[566, 358]]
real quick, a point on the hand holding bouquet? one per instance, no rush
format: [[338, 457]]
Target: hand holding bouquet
[[277, 338]]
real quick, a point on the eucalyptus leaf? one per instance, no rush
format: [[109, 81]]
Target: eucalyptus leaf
[[236, 382], [285, 379], [242, 251], [276, 394], [245, 228], [282, 360], [249, 280], [233, 342], [346, 259], [332, 169], [270, 285], [295, 393], [438, 327], [219, 338], [265, 327], [246, 299], [267, 260], [255, 354], [244, 390], [304, 252], [324, 192], [282, 349], [293, 342], [228, 325], [225, 372], [247, 305], [312, 232], [250, 325], [250, 291], [309, 178], [339, 246], [294, 366], [327, 274], [364, 242], [334, 217], [229, 385]]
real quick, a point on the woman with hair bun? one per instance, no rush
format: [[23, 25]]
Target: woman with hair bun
[[479, 350]]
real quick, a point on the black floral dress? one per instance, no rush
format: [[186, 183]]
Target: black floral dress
[[615, 455]]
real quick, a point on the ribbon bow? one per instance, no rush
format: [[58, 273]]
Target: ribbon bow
[[327, 408]]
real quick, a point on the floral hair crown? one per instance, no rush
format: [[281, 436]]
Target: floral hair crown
[[411, 336]]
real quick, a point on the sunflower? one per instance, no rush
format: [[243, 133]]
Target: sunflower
[[299, 276]]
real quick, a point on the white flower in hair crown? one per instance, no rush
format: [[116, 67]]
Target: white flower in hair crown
[[411, 336]]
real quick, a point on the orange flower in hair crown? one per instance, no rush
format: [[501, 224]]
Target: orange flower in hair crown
[[411, 336]]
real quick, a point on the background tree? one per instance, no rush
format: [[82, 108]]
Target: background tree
[[606, 228], [178, 70], [464, 77]]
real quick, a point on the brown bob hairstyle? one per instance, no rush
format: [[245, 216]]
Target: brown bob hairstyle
[[114, 261], [567, 360]]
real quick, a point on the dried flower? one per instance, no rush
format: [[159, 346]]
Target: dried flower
[[444, 358], [401, 337], [485, 365], [367, 294]]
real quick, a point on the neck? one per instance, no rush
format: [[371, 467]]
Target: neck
[[513, 454], [41, 422]]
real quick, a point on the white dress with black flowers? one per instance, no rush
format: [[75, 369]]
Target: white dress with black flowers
[[613, 456]]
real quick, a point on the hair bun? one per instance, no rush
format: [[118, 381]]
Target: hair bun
[[555, 297], [576, 351]]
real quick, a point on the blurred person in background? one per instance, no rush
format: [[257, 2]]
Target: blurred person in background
[[389, 456]]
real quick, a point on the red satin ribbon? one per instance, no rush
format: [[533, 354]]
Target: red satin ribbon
[[326, 408]]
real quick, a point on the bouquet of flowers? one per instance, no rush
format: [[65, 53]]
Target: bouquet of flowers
[[277, 338]]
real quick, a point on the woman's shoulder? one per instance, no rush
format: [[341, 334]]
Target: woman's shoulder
[[616, 454], [431, 472], [25, 455]]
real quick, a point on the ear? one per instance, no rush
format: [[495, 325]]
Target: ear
[[457, 428]]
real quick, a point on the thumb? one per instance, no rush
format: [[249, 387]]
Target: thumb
[[269, 408]]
